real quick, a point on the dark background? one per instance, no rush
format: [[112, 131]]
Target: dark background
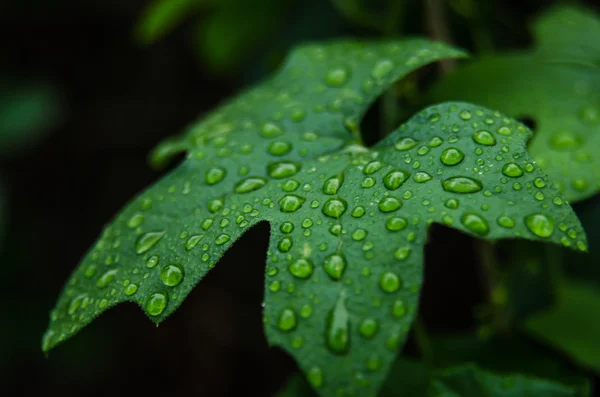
[[117, 100]]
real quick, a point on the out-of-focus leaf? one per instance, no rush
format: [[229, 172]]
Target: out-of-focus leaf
[[586, 267], [557, 84], [27, 111], [573, 325], [470, 381], [161, 16], [234, 30]]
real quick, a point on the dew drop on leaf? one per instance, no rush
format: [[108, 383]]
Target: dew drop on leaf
[[131, 289], [214, 175], [405, 143], [335, 265], [368, 328], [505, 222], [421, 177], [156, 303], [396, 224], [333, 184], [382, 68], [390, 282], [334, 207], [301, 268], [398, 308], [291, 203], [394, 179], [452, 156], [249, 184], [484, 137], [475, 223], [337, 331], [337, 77], [135, 221], [315, 376], [171, 275], [283, 169], [286, 227], [461, 184], [147, 240], [389, 204], [152, 261], [106, 278], [287, 320], [541, 225], [512, 170], [279, 148]]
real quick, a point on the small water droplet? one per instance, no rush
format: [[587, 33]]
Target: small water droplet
[[337, 330], [382, 68], [315, 376], [372, 167], [214, 175], [131, 289], [398, 308], [279, 148], [222, 239], [152, 261], [106, 278], [270, 130], [421, 177], [287, 227], [368, 328], [333, 184], [390, 282], [291, 203], [193, 241], [248, 185], [402, 253], [389, 204], [396, 224], [512, 170], [136, 220], [505, 222], [337, 77], [394, 179], [283, 169], [287, 320], [147, 241], [405, 143]]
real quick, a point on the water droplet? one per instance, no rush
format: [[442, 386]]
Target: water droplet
[[452, 156], [382, 68], [372, 167], [461, 184], [171, 275], [337, 77], [389, 204], [394, 179], [541, 225], [287, 227], [402, 253], [358, 212], [152, 261], [215, 205], [505, 222], [368, 328], [279, 148], [465, 115], [333, 184], [395, 224], [337, 330], [405, 143], [270, 130], [156, 303], [512, 170], [291, 203], [315, 376], [301, 268], [106, 278], [475, 223], [214, 175], [565, 140], [135, 220], [249, 184], [287, 320], [131, 289], [421, 177], [335, 265], [539, 182], [147, 241], [359, 234], [390, 282], [285, 244], [484, 137], [222, 239], [334, 207], [283, 169], [368, 182], [398, 308], [193, 241]]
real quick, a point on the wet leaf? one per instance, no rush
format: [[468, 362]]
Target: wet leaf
[[556, 85], [348, 223]]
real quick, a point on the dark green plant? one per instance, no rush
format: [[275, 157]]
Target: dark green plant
[[349, 222]]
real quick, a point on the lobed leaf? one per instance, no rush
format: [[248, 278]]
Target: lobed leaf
[[557, 85], [348, 223]]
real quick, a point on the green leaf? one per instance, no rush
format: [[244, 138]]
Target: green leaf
[[348, 223], [557, 84], [470, 381], [573, 324]]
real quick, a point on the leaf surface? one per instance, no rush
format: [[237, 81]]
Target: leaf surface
[[348, 223], [557, 85]]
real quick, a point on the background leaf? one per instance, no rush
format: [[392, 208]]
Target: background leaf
[[556, 86]]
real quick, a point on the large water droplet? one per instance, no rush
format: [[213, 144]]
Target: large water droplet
[[389, 204], [475, 223], [452, 156], [337, 332], [301, 268], [171, 275], [156, 303], [249, 184], [214, 175], [334, 207], [461, 184], [333, 184], [541, 225], [147, 241], [291, 203], [484, 137], [287, 320], [512, 170], [335, 265], [394, 179], [283, 169]]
